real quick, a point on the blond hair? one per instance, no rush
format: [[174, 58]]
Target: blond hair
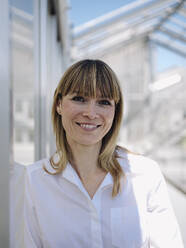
[[86, 78]]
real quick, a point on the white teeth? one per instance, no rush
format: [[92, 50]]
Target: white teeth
[[88, 126]]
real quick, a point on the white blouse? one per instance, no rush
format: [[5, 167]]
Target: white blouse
[[58, 212]]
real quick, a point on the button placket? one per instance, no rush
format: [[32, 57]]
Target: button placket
[[94, 205]]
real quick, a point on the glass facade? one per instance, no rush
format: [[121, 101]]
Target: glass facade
[[22, 65], [38, 59], [34, 53]]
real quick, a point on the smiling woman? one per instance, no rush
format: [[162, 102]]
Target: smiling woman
[[88, 93], [91, 192]]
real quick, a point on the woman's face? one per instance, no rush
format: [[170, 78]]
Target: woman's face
[[86, 120]]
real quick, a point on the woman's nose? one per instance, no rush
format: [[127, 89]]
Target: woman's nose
[[90, 111]]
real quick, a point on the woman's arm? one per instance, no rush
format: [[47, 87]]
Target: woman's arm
[[164, 230]]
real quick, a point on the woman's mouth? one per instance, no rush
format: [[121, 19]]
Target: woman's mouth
[[87, 126]]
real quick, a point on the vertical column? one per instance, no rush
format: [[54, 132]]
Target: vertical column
[[40, 15], [5, 123], [37, 78]]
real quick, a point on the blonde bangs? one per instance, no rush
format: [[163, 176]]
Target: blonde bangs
[[94, 80]]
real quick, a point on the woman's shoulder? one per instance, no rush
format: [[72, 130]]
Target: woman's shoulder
[[136, 163], [36, 175], [37, 166]]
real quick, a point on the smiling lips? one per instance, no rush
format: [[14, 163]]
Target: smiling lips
[[87, 126]]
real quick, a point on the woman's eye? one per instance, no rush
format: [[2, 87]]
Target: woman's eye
[[78, 99], [104, 102]]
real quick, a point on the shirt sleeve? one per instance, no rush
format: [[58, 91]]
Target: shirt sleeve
[[163, 226], [32, 236]]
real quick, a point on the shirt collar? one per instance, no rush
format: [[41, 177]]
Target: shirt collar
[[108, 180], [71, 175]]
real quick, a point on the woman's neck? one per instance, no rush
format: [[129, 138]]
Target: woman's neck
[[85, 159]]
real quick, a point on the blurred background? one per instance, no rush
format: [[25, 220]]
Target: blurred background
[[144, 41]]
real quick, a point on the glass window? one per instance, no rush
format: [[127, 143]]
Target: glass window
[[22, 53]]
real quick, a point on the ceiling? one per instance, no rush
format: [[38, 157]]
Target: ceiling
[[161, 21]]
